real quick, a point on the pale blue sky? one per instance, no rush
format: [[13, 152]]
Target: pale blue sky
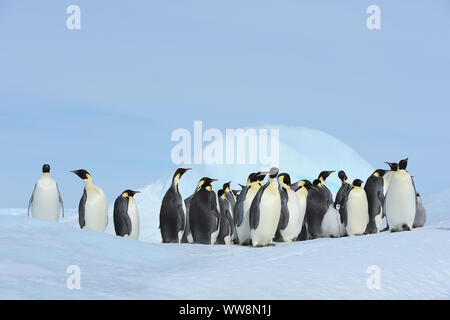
[[107, 97]]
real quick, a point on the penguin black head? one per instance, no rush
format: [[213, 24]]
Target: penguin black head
[[46, 168], [220, 193], [129, 193], [226, 186], [252, 177], [308, 185], [380, 172], [342, 175], [273, 173], [205, 182], [357, 183], [179, 172], [285, 178], [324, 174], [392, 165], [260, 176], [402, 164], [317, 183], [83, 174]]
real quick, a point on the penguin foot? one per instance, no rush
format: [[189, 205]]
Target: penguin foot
[[405, 227], [271, 244]]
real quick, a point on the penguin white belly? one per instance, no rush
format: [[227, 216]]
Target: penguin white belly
[[243, 230], [180, 233], [357, 212], [269, 216], [302, 195], [400, 201], [295, 223], [95, 210], [378, 220], [45, 203], [215, 234], [133, 213], [331, 223]]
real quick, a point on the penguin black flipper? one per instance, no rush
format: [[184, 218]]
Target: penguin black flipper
[[254, 207], [31, 201], [60, 200], [122, 222], [81, 209], [239, 207], [284, 216], [344, 216], [187, 229]]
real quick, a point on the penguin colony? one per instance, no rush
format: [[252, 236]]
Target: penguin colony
[[269, 208]]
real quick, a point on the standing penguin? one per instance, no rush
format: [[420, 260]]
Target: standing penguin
[[226, 221], [242, 207], [323, 177], [331, 223], [231, 197], [187, 234], [93, 207], [375, 198], [301, 189], [46, 201], [204, 215], [356, 215], [421, 214], [265, 212], [387, 178], [317, 203], [173, 211], [126, 215], [341, 197], [401, 200], [291, 218]]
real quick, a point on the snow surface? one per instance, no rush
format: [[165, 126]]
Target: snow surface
[[35, 254]]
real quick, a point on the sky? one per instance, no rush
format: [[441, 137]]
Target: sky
[[107, 97]]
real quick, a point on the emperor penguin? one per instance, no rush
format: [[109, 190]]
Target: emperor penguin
[[331, 223], [242, 207], [341, 197], [387, 178], [374, 189], [323, 177], [265, 212], [344, 189], [231, 197], [93, 207], [126, 215], [292, 213], [317, 204], [357, 210], [187, 234], [173, 211], [46, 202], [421, 214], [301, 189], [204, 216], [401, 200], [226, 221]]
